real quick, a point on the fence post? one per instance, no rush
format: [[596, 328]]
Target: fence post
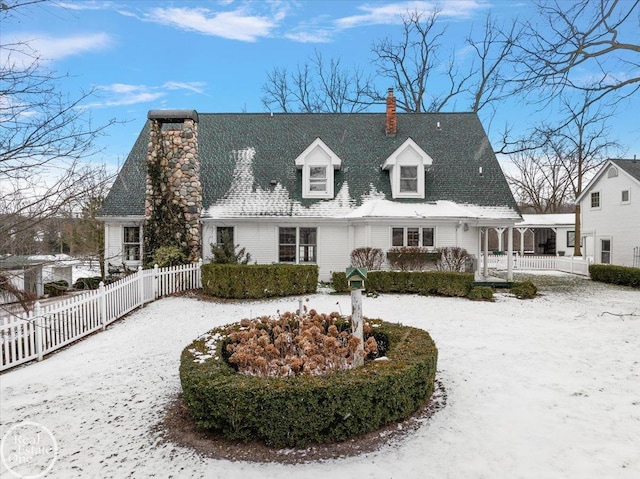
[[102, 305], [37, 323], [156, 281], [199, 274], [140, 285]]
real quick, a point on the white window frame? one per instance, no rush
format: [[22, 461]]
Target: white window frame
[[591, 197], [405, 236], [318, 155], [409, 154], [131, 244], [219, 232], [628, 200], [604, 251], [301, 249]]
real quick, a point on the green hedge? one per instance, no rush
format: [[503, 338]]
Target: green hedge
[[622, 275], [524, 289], [291, 412], [56, 288], [481, 293], [87, 283], [443, 283], [258, 281]]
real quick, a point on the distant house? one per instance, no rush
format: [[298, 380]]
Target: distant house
[[24, 273], [610, 214], [310, 188]]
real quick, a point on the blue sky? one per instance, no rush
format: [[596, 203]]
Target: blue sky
[[214, 56]]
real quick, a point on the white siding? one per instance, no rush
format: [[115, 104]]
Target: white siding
[[613, 220], [113, 243], [333, 249]]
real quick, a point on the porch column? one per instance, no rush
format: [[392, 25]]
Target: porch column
[[485, 248], [499, 231], [510, 253], [522, 231]]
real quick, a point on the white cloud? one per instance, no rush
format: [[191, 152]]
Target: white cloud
[[121, 94], [233, 25], [85, 5], [55, 48], [392, 13], [196, 86]]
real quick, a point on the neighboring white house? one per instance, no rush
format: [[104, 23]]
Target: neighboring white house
[[610, 214], [310, 188]]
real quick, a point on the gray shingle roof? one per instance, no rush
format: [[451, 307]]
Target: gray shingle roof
[[630, 166], [458, 149]]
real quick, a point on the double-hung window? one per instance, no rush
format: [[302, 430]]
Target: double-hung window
[[595, 199], [224, 234], [318, 179], [297, 244], [413, 236], [408, 179], [131, 243]]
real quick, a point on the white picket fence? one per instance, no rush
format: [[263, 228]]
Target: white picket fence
[[28, 336], [566, 264]]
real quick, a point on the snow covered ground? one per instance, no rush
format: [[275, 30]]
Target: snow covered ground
[[545, 388]]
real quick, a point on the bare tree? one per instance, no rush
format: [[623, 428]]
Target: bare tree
[[493, 49], [317, 86], [540, 181], [553, 165], [582, 36], [410, 63], [46, 140]]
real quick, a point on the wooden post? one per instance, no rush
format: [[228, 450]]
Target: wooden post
[[102, 305], [357, 325], [141, 284], [38, 325], [156, 281]]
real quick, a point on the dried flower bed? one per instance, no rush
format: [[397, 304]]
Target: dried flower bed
[[293, 344]]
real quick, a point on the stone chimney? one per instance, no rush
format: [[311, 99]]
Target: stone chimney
[[174, 192], [391, 128]]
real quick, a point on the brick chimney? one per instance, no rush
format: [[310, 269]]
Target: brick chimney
[[391, 128]]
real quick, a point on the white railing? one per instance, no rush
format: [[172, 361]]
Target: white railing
[[28, 336], [567, 264]]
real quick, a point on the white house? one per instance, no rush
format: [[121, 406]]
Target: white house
[[310, 188], [610, 214]]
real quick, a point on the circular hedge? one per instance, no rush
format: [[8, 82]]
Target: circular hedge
[[293, 411]]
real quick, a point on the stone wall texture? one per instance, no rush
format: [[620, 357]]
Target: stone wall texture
[[175, 201]]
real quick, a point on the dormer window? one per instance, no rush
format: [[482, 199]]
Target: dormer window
[[406, 168], [408, 179], [318, 163]]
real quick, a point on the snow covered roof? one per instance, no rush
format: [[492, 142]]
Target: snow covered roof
[[247, 165], [547, 220]]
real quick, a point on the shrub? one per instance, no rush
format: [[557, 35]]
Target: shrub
[[258, 281], [481, 293], [452, 258], [443, 283], [87, 283], [293, 411], [622, 275], [294, 344], [166, 256], [225, 252], [411, 258], [56, 288], [524, 290], [370, 258]]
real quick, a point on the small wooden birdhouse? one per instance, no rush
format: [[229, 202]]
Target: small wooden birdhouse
[[356, 277]]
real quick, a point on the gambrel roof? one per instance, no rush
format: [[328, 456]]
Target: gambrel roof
[[251, 157]]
